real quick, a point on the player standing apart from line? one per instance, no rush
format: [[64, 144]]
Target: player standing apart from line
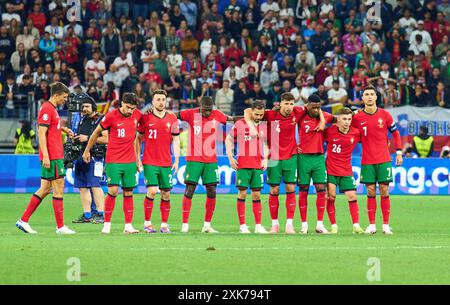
[[201, 159], [250, 164], [376, 165], [51, 154], [311, 162], [159, 130], [342, 139], [121, 165]]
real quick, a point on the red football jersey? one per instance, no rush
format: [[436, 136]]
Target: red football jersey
[[249, 152], [122, 133], [48, 116], [374, 135], [311, 142], [339, 150], [202, 134], [281, 133], [158, 134]]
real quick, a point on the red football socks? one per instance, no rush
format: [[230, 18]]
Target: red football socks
[[331, 210], [187, 203], [128, 208], [35, 201], [110, 203], [273, 206], [210, 205], [58, 209], [257, 211], [385, 208], [320, 205], [240, 205], [290, 205], [303, 204], [165, 210], [148, 208], [354, 211], [371, 209]]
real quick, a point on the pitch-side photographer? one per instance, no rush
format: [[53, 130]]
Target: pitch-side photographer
[[88, 175]]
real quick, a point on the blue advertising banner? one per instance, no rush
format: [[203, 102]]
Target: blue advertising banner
[[21, 174]]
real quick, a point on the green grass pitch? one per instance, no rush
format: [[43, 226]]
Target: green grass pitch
[[418, 252]]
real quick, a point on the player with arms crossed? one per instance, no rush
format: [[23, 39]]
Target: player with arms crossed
[[250, 164], [51, 154], [374, 124], [159, 130], [121, 165], [342, 139], [201, 159], [311, 162]]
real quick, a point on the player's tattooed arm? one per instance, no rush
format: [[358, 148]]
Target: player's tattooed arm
[[103, 139], [137, 150], [266, 155], [176, 152], [321, 126], [92, 140], [68, 131], [229, 144], [42, 136], [234, 118]]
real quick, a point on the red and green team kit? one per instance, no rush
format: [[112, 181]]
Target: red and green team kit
[[285, 163]]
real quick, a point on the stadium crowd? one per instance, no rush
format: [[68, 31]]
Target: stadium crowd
[[234, 51]]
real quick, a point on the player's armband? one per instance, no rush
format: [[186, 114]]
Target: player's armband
[[392, 128]]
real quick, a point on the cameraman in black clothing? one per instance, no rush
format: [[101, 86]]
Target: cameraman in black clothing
[[88, 175]]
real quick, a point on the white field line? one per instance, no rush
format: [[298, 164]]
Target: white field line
[[250, 248]]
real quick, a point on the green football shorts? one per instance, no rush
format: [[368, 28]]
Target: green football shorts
[[373, 173], [286, 169], [55, 171], [345, 183], [249, 178], [311, 166], [121, 174], [209, 172], [158, 176]]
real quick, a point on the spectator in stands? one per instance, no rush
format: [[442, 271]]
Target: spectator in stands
[[38, 17], [173, 83], [188, 97], [421, 97], [337, 94], [42, 92], [440, 95], [423, 144], [241, 98]]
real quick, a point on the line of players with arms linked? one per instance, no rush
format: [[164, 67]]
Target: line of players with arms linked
[[266, 140]]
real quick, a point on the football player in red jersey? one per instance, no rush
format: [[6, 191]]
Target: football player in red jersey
[[249, 164], [159, 130], [311, 162], [51, 154], [121, 164], [342, 139], [374, 124]]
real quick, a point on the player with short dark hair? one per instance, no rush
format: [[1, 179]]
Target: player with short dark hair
[[250, 163], [159, 131], [121, 167], [201, 159], [374, 124], [311, 162], [51, 154], [342, 139]]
